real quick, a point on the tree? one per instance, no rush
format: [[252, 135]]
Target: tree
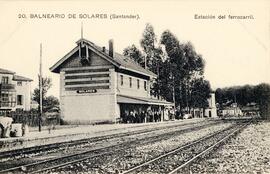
[[153, 52], [151, 56], [244, 95], [48, 102], [174, 61], [176, 64], [220, 96], [200, 92], [148, 45], [154, 57], [166, 84], [51, 102], [172, 47], [262, 93], [46, 85], [192, 69], [194, 63], [186, 65], [135, 54]]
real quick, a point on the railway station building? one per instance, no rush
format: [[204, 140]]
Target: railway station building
[[100, 85]]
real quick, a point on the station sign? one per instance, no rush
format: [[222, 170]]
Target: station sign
[[86, 91]]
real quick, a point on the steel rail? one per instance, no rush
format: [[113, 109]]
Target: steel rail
[[93, 150], [208, 149], [59, 158], [181, 148], [75, 161], [173, 151], [35, 149]]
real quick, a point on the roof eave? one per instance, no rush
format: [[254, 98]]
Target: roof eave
[[147, 100], [54, 68], [21, 78], [28, 80], [139, 72], [8, 72]]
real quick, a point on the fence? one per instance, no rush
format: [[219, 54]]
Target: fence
[[31, 118]]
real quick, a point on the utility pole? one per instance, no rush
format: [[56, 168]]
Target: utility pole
[[145, 62], [186, 92], [173, 93], [81, 30], [180, 99], [235, 104], [173, 90], [40, 90]]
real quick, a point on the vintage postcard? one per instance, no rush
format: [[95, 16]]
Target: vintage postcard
[[135, 86]]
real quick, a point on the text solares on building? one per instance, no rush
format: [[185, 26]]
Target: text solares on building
[[97, 84]]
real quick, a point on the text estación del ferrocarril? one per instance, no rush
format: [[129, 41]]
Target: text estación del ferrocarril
[[199, 16]]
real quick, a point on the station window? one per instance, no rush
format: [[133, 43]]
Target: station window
[[7, 100], [130, 82], [4, 80], [19, 83], [138, 83], [4, 97], [145, 87], [19, 100], [122, 80]]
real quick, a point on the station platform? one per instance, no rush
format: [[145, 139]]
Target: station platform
[[71, 133]]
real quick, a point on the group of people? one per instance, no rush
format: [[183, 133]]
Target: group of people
[[141, 117]]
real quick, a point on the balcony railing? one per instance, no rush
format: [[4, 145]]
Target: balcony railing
[[7, 104], [7, 87]]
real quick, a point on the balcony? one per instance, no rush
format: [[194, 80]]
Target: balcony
[[7, 87], [7, 105]]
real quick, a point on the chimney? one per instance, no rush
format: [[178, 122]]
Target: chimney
[[103, 49], [111, 47]]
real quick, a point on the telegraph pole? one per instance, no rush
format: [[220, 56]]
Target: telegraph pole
[[145, 62], [173, 93], [81, 30], [40, 90]]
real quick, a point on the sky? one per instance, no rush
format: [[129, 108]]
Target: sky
[[236, 51]]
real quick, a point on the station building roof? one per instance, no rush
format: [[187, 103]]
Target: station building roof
[[5, 71], [118, 60], [15, 77], [21, 78]]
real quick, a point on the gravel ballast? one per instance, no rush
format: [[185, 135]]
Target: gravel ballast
[[249, 152], [123, 160]]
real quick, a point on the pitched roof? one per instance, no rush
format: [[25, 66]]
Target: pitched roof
[[127, 63], [5, 71], [21, 78], [120, 61]]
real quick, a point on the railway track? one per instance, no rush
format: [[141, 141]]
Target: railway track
[[178, 159], [56, 162], [55, 146]]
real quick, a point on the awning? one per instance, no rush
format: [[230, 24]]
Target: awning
[[141, 100]]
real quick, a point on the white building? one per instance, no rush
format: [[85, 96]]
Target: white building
[[15, 91], [97, 84], [211, 111], [232, 110]]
